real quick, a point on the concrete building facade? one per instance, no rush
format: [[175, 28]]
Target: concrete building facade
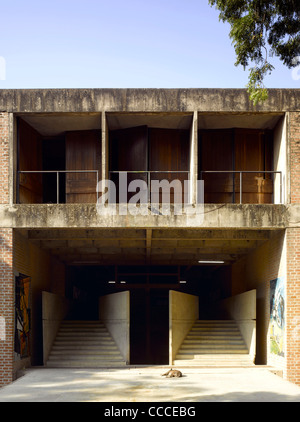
[[154, 273]]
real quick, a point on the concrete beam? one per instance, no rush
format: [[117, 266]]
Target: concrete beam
[[145, 100], [225, 216], [104, 237]]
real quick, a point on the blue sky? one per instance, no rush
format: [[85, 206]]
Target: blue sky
[[121, 44]]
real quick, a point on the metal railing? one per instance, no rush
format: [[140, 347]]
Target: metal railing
[[148, 175], [241, 172], [57, 172]]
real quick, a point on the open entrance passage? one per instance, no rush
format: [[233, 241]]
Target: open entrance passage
[[149, 303], [89, 267]]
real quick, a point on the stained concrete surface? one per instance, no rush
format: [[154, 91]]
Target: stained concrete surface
[[145, 384]]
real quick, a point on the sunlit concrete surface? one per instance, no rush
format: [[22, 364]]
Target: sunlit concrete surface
[[145, 384]]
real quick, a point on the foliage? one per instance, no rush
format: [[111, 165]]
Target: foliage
[[259, 30]]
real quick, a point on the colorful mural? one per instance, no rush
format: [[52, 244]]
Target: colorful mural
[[22, 322], [277, 316]]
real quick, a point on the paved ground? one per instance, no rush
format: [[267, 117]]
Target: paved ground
[[145, 384]]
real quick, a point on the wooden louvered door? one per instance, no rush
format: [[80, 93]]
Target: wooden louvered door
[[83, 152], [169, 152], [216, 154], [128, 153], [253, 152]]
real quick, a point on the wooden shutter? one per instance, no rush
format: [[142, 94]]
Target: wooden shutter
[[30, 159], [128, 153], [216, 153], [169, 151], [253, 151], [83, 152]]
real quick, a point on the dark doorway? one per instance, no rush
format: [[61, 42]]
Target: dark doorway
[[149, 326]]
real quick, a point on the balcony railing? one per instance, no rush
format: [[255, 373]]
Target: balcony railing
[[239, 181], [148, 176], [58, 172]]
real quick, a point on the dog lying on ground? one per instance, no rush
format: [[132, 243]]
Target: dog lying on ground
[[172, 373]]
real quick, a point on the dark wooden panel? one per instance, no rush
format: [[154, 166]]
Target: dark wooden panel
[[128, 149], [240, 150], [129, 153], [30, 159], [216, 153], [253, 151], [83, 152], [169, 150]]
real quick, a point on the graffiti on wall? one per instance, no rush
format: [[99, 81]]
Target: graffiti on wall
[[22, 319], [277, 316]]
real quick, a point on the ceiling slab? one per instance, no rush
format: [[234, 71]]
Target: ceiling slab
[[241, 120], [49, 125], [146, 246]]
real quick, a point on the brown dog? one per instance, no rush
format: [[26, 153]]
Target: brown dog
[[172, 373]]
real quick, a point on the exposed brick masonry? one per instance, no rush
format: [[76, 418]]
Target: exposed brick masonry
[[4, 158], [6, 307]]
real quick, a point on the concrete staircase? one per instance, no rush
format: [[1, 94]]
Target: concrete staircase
[[84, 344], [214, 343]]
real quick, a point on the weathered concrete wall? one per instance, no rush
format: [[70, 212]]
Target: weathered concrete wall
[[54, 310], [242, 308], [183, 312], [211, 216], [159, 100], [255, 271], [114, 312]]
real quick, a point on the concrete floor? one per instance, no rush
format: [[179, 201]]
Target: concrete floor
[[145, 384]]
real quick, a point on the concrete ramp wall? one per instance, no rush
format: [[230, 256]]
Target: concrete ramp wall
[[242, 308], [54, 310], [114, 312], [183, 312]]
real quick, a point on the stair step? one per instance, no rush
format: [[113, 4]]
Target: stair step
[[81, 364], [213, 343], [86, 357], [213, 346], [67, 352], [84, 344]]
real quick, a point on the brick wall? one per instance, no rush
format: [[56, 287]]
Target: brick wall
[[4, 159], [6, 307], [293, 257], [293, 305], [294, 141]]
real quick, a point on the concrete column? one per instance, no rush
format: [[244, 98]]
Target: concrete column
[[194, 158], [105, 149]]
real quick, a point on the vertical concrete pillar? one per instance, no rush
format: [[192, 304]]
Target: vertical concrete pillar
[[6, 307], [194, 158], [105, 149]]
